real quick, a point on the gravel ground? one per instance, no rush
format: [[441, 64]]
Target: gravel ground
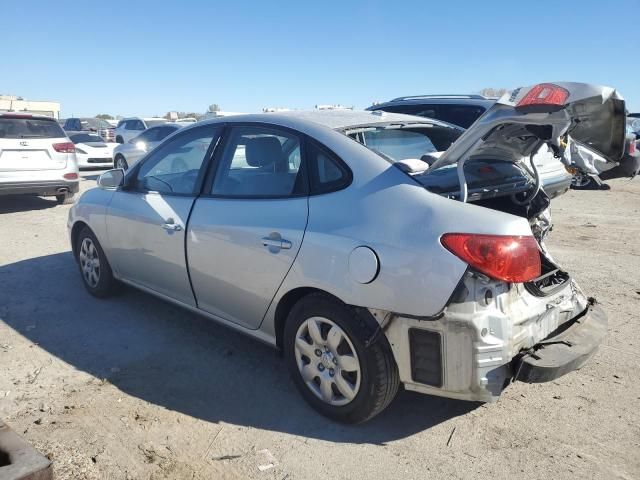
[[134, 388]]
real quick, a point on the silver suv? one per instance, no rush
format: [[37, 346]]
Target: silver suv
[[36, 157]]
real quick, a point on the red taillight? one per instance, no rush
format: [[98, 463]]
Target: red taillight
[[66, 147], [632, 148], [544, 97], [70, 176], [510, 258]]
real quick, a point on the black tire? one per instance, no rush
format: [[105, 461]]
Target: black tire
[[120, 162], [379, 379], [65, 199], [106, 284]]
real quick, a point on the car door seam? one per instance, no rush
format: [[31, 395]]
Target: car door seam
[[304, 233]]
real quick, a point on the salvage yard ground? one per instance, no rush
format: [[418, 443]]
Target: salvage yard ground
[[134, 388]]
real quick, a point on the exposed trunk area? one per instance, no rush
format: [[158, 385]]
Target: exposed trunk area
[[553, 278]]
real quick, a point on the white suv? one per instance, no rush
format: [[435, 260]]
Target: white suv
[[36, 157], [132, 127]]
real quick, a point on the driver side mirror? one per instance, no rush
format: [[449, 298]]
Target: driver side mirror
[[111, 179]]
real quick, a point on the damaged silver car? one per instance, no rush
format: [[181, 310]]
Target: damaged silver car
[[349, 241]]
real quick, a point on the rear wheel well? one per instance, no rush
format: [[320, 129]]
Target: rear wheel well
[[285, 305]]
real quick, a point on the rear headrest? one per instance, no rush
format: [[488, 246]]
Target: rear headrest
[[264, 152]]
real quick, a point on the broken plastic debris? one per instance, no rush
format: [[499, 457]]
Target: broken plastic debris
[[268, 457]]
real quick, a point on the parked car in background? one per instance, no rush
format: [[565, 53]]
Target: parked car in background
[[633, 124], [437, 276], [132, 127], [127, 154], [97, 125], [592, 167], [463, 111], [187, 120], [36, 157], [91, 150]]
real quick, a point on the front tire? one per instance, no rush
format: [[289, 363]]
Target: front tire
[[94, 268], [120, 162], [340, 377]]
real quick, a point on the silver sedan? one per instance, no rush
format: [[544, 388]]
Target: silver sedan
[[126, 155], [372, 249]]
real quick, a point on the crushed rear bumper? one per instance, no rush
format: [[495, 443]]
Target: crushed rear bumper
[[563, 352]]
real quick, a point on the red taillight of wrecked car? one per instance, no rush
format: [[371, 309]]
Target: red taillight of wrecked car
[[510, 258], [544, 97]]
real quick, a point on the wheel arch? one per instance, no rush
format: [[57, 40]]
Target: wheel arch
[[289, 299], [286, 303], [75, 231]]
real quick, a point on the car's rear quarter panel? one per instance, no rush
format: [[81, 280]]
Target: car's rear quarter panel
[[402, 222]]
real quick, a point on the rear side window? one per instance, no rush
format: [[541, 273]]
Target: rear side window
[[327, 172], [30, 128], [462, 115]]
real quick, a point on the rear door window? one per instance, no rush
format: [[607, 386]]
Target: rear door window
[[260, 162], [14, 127]]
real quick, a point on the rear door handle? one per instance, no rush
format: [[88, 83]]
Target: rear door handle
[[275, 242]]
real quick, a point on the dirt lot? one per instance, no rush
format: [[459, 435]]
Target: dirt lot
[[134, 388]]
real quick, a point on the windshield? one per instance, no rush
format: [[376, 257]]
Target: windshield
[[86, 138], [94, 123], [397, 143], [153, 123], [30, 128]]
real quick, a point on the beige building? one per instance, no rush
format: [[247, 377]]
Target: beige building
[[12, 103]]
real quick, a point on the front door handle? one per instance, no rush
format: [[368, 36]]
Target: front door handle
[[276, 241], [171, 226]]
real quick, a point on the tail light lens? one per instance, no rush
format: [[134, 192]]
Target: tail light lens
[[632, 148], [510, 258], [544, 97], [66, 147], [70, 176]]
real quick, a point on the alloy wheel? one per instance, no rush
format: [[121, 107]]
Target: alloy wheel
[[89, 262], [327, 361]]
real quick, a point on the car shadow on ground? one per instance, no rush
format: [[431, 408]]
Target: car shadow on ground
[[181, 361], [23, 203]]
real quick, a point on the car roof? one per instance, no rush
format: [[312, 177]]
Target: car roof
[[143, 118], [26, 115], [334, 119]]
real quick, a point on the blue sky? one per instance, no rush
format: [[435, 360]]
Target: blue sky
[[146, 58]]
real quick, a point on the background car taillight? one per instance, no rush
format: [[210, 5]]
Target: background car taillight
[[544, 97], [70, 176], [66, 147], [632, 148], [510, 258]]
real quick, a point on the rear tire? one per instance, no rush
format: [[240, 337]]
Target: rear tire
[[120, 162], [95, 270], [342, 379], [65, 199]]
